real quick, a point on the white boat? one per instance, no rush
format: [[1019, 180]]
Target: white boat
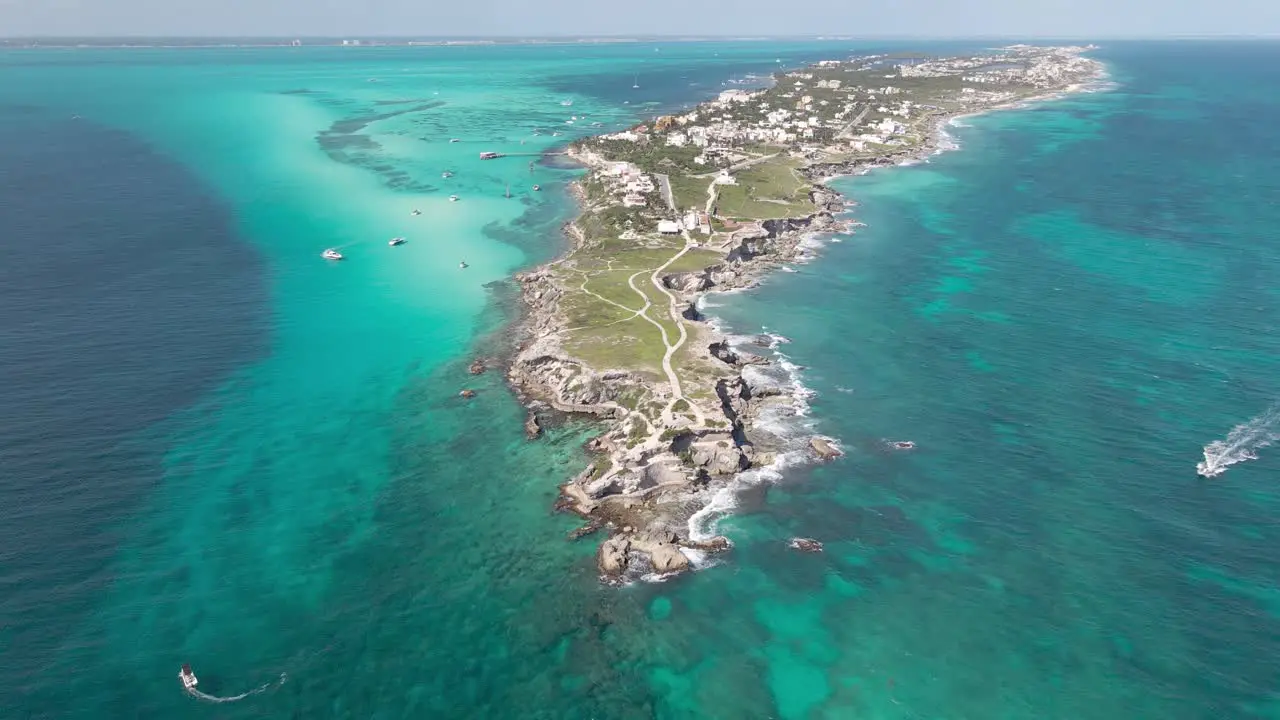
[[395, 241], [536, 188], [453, 198], [566, 103], [415, 213], [454, 140], [446, 174], [462, 265], [331, 254], [187, 677]]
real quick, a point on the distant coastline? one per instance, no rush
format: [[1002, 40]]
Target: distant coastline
[[365, 41]]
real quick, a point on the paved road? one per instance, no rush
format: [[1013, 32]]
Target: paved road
[[665, 184]]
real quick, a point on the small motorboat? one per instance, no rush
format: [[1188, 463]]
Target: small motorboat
[[416, 213], [462, 265], [446, 174], [331, 254], [395, 241], [453, 198], [187, 677], [536, 188], [903, 445], [454, 140]]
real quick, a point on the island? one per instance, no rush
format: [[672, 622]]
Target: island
[[708, 201]]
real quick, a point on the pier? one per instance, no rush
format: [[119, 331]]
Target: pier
[[496, 155]]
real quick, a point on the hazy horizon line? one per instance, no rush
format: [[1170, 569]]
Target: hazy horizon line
[[622, 37]]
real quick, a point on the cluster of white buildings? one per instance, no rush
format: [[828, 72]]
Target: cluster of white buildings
[[729, 97], [628, 181], [695, 221], [1043, 68]]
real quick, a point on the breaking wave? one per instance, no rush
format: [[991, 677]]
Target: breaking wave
[[1241, 444], [788, 423]]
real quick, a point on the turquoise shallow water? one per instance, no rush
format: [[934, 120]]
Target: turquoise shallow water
[[1061, 315]]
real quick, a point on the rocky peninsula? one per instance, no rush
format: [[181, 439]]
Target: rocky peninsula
[[712, 200]]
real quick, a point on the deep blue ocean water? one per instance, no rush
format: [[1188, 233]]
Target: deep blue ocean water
[[125, 294], [219, 450]]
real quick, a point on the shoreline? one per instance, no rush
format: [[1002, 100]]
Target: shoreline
[[661, 521]]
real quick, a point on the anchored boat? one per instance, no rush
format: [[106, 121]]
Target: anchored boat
[[395, 241]]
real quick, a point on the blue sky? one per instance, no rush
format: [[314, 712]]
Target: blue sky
[[933, 18]]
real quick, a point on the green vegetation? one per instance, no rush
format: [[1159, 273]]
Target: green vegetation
[[690, 192], [653, 157], [771, 189], [638, 432], [695, 260], [628, 345]]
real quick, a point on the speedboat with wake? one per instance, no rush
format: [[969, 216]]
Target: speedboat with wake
[[187, 677], [395, 241], [331, 254]]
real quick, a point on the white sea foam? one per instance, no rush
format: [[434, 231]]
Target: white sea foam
[[1241, 444], [788, 422]]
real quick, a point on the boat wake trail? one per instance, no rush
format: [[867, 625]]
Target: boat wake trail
[[233, 698], [1241, 444]]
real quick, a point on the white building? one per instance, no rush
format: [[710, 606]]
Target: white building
[[724, 178], [734, 96], [633, 200], [889, 127], [677, 139], [668, 227]]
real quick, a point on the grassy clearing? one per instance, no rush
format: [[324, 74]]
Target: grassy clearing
[[769, 190], [698, 374], [695, 260], [689, 192], [608, 336], [630, 345]]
